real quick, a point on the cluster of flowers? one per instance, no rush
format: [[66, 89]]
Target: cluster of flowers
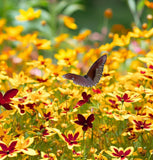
[[43, 116]]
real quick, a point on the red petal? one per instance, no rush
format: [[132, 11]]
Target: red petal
[[84, 95], [127, 152], [90, 118], [12, 145], [1, 99], [7, 106], [84, 128], [125, 97], [3, 146], [81, 118], [10, 94], [70, 136], [66, 139], [118, 97], [76, 135]]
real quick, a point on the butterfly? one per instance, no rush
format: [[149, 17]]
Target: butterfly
[[92, 77]]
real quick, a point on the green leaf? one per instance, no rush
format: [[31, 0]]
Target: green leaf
[[140, 5], [132, 5], [73, 8]]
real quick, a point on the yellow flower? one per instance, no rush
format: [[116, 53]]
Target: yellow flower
[[61, 38], [119, 153], [69, 22], [83, 35], [2, 23], [121, 41], [13, 33], [20, 79], [42, 43], [46, 156], [28, 15], [149, 4], [67, 57], [23, 145], [137, 33]]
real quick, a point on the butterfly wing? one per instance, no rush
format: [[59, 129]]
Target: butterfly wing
[[95, 71], [77, 79]]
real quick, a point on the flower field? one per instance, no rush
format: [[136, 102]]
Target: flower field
[[44, 116]]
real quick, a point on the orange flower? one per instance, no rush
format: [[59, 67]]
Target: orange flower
[[108, 13], [69, 22], [83, 35], [13, 32], [149, 4], [2, 23], [28, 15], [42, 43]]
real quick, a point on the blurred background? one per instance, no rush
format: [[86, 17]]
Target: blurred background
[[89, 14], [102, 17]]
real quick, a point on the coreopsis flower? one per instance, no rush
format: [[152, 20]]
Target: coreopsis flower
[[20, 79], [138, 33], [48, 156], [13, 33], [2, 23], [66, 57], [42, 44], [61, 38], [71, 139], [8, 150], [83, 35], [28, 15], [124, 98], [86, 123], [69, 22], [140, 125], [4, 133], [23, 145], [5, 100], [149, 4], [41, 63], [85, 97], [114, 105], [97, 91], [48, 116], [100, 156], [119, 153], [121, 41]]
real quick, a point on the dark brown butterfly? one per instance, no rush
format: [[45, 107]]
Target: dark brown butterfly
[[92, 77]]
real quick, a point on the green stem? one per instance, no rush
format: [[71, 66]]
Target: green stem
[[84, 146]]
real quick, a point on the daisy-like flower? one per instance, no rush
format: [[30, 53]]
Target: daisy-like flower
[[119, 153], [71, 139], [69, 22], [28, 15], [114, 105], [8, 150], [149, 4], [85, 97], [42, 44], [61, 38], [5, 100], [140, 124], [66, 57], [83, 35], [48, 156], [13, 33], [124, 98], [23, 145], [86, 123]]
